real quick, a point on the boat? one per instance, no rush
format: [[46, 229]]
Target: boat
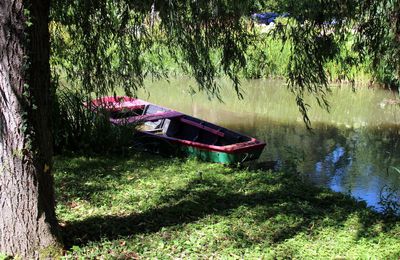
[[168, 131]]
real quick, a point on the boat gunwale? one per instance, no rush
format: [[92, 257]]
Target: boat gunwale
[[232, 148], [240, 147]]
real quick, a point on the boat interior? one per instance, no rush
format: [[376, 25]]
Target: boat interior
[[137, 111], [195, 130], [181, 127]]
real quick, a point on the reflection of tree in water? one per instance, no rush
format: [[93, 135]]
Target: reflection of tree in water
[[335, 166], [352, 161]]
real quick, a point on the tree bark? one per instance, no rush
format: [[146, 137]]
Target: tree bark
[[28, 224]]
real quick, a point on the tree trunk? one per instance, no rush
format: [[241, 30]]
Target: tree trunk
[[28, 224]]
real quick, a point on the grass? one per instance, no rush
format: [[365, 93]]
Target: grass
[[145, 206]]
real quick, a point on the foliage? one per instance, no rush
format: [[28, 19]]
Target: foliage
[[267, 57], [389, 196], [78, 128], [107, 39], [378, 35], [148, 207], [4, 257], [397, 170], [115, 44], [318, 31], [389, 200]]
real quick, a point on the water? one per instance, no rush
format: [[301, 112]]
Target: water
[[352, 149]]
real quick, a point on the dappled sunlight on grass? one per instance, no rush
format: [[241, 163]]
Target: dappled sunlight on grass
[[148, 206]]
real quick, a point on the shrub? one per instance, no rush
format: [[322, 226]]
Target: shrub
[[80, 129]]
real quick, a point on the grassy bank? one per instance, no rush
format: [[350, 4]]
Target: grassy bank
[[150, 207]]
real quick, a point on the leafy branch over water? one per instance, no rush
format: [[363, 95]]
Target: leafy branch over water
[[116, 44]]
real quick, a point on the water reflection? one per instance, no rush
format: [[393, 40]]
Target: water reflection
[[352, 161], [350, 150]]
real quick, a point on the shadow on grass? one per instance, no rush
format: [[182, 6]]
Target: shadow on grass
[[98, 172], [290, 207], [76, 174]]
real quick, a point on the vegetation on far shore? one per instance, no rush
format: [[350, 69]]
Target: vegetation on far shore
[[146, 206], [267, 56]]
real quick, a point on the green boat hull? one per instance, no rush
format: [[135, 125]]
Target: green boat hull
[[163, 146], [220, 157]]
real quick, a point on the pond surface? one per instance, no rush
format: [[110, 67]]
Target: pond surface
[[354, 149]]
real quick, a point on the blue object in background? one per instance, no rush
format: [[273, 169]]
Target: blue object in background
[[267, 18]]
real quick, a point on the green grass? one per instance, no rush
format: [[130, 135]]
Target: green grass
[[146, 206], [3, 257]]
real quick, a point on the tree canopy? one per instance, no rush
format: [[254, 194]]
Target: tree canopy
[[101, 43], [108, 38]]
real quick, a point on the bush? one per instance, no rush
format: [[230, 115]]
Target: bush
[[80, 129]]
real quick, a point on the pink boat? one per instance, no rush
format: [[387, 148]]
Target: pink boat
[[169, 130]]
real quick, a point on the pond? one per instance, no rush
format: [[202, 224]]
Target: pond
[[354, 148]]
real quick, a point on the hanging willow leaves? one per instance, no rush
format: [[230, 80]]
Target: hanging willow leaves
[[101, 44]]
